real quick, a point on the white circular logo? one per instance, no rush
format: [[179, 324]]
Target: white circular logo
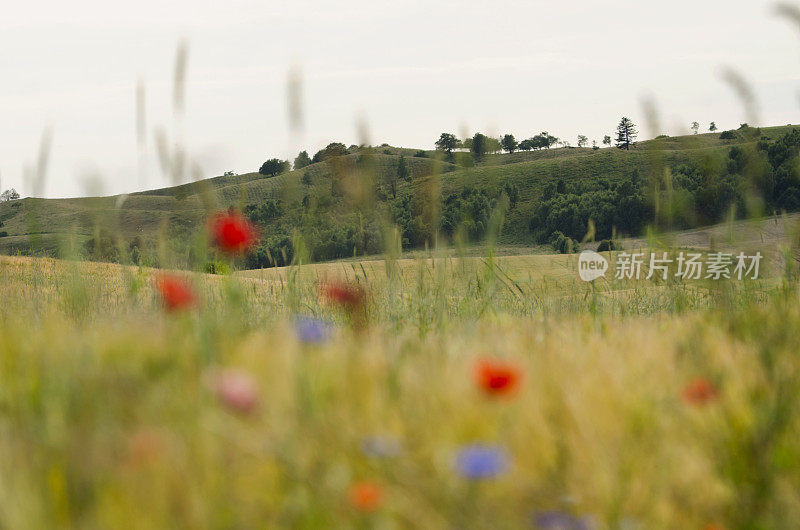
[[591, 265]]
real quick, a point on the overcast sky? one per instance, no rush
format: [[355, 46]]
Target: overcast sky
[[409, 70]]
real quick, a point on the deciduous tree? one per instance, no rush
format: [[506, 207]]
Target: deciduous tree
[[9, 195], [302, 160], [478, 146], [509, 143], [447, 142], [274, 166]]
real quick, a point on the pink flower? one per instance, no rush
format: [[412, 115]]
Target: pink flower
[[236, 390]]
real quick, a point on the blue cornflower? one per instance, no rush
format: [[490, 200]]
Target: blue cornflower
[[481, 461], [311, 330], [555, 520]]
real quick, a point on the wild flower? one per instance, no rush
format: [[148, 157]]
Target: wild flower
[[699, 391], [232, 232], [496, 377], [346, 296], [236, 390], [555, 520], [479, 461], [311, 330], [176, 292], [366, 496]]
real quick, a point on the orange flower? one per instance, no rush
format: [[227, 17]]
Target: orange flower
[[366, 496], [176, 292], [232, 233], [699, 391], [496, 377], [350, 297]]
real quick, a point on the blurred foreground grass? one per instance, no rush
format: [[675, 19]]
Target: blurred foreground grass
[[117, 414]]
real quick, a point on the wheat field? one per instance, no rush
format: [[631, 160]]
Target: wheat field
[[633, 407]]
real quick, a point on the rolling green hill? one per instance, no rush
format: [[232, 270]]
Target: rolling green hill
[[342, 206]]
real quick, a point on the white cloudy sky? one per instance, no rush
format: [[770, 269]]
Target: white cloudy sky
[[409, 69]]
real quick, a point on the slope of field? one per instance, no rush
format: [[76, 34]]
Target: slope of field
[[62, 226]]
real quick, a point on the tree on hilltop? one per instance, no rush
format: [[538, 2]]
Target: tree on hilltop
[[478, 146], [9, 195], [302, 160], [527, 145], [331, 150], [447, 142], [544, 140], [493, 145], [509, 143], [626, 134], [274, 166]]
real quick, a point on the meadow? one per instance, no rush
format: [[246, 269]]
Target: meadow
[[431, 391], [159, 368], [384, 337]]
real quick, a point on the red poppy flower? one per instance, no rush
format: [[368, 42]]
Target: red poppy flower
[[496, 377], [366, 496], [233, 233], [176, 292], [350, 297], [699, 391]]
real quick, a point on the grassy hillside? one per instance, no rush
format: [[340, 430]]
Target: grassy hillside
[[348, 198]]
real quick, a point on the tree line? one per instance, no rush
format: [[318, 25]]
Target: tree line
[[479, 144]]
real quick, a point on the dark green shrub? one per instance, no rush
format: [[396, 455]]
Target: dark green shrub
[[563, 244], [608, 244], [216, 267]]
